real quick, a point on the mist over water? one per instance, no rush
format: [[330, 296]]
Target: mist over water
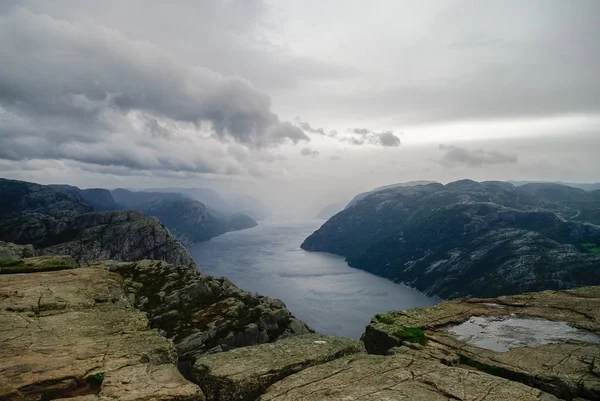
[[319, 288]]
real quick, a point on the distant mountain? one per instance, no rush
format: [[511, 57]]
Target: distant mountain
[[468, 238], [213, 201], [100, 199], [585, 186], [329, 211], [59, 223], [190, 220], [386, 187]]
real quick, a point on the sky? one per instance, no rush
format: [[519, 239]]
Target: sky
[[298, 103]]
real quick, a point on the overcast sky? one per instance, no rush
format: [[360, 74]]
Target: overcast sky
[[299, 103]]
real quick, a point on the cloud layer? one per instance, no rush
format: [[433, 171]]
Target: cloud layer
[[84, 92]]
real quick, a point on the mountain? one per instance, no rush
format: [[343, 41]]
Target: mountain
[[100, 199], [386, 187], [213, 201], [467, 238], [190, 220], [329, 211], [58, 223], [21, 199]]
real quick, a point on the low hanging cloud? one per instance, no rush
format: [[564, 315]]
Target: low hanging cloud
[[455, 156], [309, 152], [84, 92], [361, 136]]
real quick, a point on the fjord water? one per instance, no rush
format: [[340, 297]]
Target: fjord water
[[319, 288]]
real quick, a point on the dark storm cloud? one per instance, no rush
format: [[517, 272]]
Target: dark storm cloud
[[361, 136], [309, 152], [306, 127], [455, 156], [63, 84]]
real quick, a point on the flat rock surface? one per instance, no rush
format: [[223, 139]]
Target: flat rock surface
[[244, 373], [74, 333], [400, 377], [565, 365]]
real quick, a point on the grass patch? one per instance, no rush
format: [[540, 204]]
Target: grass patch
[[97, 378], [410, 334], [591, 247], [5, 263], [384, 319]]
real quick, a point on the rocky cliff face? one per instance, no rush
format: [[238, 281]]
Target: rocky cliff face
[[464, 239], [57, 223], [201, 313]]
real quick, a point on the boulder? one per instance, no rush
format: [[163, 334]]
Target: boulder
[[245, 373]]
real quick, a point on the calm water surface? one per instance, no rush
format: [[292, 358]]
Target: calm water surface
[[319, 288]]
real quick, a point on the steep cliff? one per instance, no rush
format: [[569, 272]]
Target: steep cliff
[[464, 239], [55, 222]]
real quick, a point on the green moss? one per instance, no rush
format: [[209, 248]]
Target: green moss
[[384, 319], [591, 247], [5, 263], [410, 334], [97, 378]]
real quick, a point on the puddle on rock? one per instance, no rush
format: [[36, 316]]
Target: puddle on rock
[[501, 334]]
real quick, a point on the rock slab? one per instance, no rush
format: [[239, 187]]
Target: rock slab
[[245, 373], [73, 333]]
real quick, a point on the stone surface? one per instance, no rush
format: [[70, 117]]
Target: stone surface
[[567, 369], [74, 333], [398, 377], [245, 373], [202, 313]]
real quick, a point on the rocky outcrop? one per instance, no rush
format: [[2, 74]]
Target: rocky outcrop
[[548, 340], [245, 373], [464, 239], [58, 223], [73, 333], [400, 377], [201, 313], [125, 236]]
